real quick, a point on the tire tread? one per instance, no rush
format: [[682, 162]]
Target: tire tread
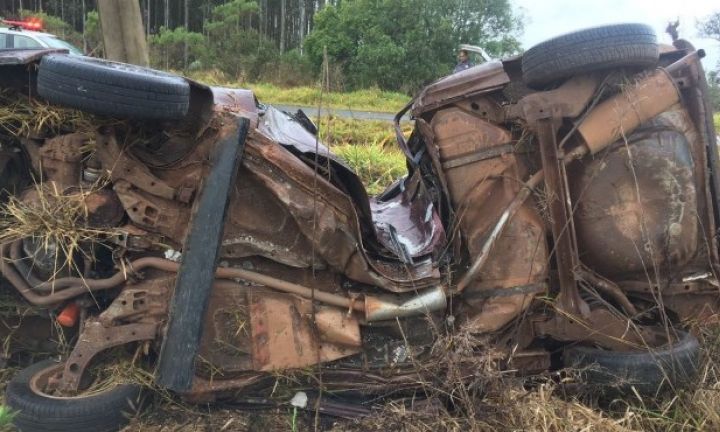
[[112, 89], [620, 45]]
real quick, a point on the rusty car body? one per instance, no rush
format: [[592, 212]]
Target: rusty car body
[[579, 211]]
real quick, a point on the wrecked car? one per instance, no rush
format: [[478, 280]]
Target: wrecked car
[[561, 204]]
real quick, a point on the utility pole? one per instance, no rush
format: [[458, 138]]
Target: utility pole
[[187, 22], [123, 32]]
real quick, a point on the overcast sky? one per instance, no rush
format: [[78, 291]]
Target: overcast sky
[[547, 18]]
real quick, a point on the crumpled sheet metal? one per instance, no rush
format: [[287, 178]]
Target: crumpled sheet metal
[[238, 101], [407, 222], [327, 217], [280, 209], [281, 127], [479, 79]]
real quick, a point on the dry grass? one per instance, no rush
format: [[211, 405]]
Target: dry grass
[[23, 116], [466, 391], [55, 219]]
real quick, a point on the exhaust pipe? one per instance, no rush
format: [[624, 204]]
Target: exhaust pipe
[[379, 309]]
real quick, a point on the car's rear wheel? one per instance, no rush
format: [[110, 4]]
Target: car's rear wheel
[[643, 372], [37, 409], [598, 48], [112, 89]]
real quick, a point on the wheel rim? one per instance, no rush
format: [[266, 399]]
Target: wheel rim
[[48, 378]]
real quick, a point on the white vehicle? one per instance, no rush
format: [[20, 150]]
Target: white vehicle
[[22, 35]]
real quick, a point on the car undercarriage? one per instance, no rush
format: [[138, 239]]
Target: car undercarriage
[[560, 205]]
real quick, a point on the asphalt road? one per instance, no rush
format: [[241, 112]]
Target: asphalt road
[[347, 113]]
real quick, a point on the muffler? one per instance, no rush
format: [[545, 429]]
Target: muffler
[[637, 103]]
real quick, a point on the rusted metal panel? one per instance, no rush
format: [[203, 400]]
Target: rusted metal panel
[[458, 135], [283, 335], [636, 204], [483, 78], [329, 219], [561, 219], [60, 159], [635, 104], [480, 190], [337, 327], [568, 100]]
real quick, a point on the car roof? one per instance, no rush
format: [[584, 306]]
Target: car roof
[[25, 32]]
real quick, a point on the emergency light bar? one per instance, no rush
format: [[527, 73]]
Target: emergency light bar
[[29, 24]]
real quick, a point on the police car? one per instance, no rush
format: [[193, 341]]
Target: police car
[[27, 35]]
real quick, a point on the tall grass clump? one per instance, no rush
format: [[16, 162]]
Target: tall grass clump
[[368, 147], [54, 219], [366, 99], [372, 99], [376, 166]]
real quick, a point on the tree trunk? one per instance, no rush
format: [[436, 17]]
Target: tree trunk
[[122, 31], [301, 33], [85, 45], [185, 45], [283, 6]]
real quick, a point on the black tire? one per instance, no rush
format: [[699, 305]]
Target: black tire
[[112, 89], [620, 45], [646, 372], [102, 412]]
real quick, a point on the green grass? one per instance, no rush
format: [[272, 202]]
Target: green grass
[[338, 130], [376, 165], [6, 417], [367, 99], [716, 117], [368, 147]]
